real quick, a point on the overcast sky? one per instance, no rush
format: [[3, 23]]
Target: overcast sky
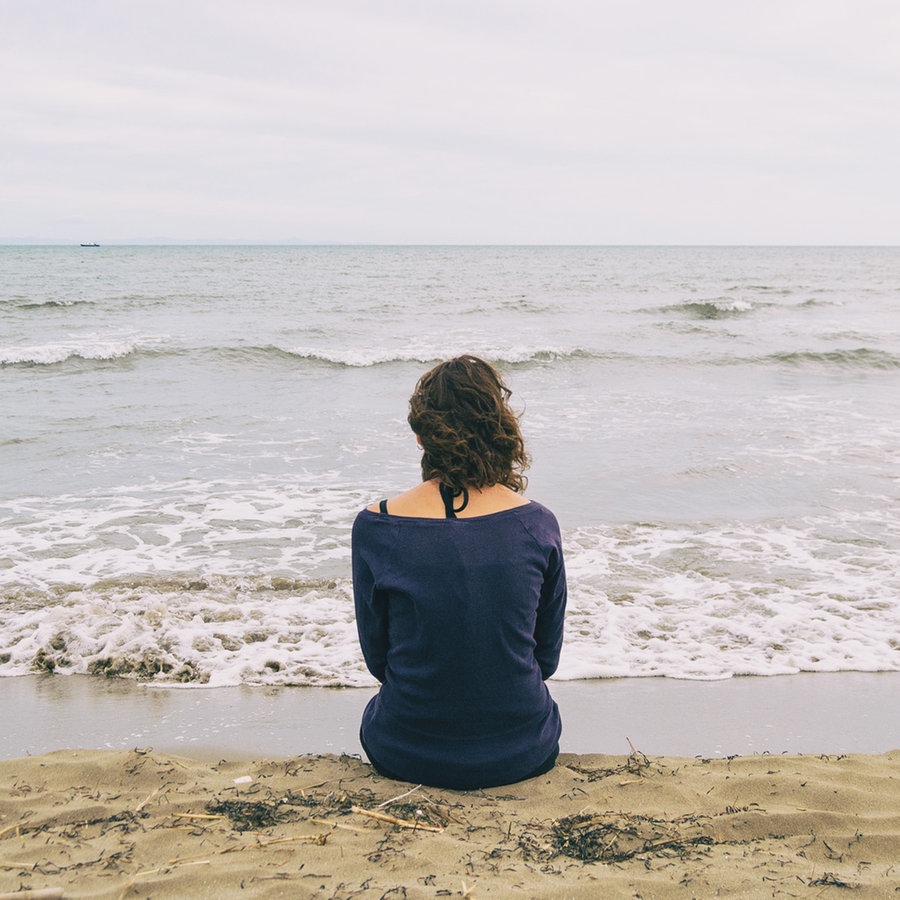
[[459, 121]]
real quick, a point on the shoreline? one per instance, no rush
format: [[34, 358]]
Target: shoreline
[[841, 712]]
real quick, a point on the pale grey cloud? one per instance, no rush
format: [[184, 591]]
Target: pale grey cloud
[[468, 122]]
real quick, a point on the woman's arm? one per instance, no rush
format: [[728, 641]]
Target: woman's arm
[[371, 607], [548, 631]]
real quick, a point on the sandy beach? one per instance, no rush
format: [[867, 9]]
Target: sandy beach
[[119, 824], [786, 787]]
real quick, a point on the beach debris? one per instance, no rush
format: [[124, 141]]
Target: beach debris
[[614, 837], [636, 763], [617, 838], [303, 838], [340, 825], [245, 814], [830, 880], [416, 824], [151, 796], [399, 796]]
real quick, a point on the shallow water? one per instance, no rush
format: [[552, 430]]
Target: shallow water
[[189, 431]]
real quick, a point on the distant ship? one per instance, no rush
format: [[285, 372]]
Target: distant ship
[[90, 244]]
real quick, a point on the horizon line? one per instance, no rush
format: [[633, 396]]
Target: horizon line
[[222, 242]]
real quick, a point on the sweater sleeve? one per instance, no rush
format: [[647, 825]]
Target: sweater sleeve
[[370, 603], [548, 631]]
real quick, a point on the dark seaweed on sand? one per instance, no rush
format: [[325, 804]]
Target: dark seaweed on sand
[[614, 839], [636, 763], [246, 814], [426, 813]]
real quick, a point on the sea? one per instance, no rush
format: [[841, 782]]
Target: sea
[[189, 431]]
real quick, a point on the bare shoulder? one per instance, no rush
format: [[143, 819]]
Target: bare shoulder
[[422, 501]]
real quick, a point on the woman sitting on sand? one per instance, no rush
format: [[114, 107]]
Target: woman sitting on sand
[[460, 595]]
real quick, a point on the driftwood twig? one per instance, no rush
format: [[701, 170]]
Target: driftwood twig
[[341, 825], [398, 797], [196, 816], [393, 820]]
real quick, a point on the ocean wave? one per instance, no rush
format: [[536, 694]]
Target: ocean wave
[[718, 308], [103, 351], [859, 357], [818, 301], [91, 349], [367, 358], [111, 351], [762, 288], [27, 303]]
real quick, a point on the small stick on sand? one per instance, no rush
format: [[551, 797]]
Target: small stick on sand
[[341, 825], [393, 820], [196, 816], [146, 800], [398, 797], [315, 838]]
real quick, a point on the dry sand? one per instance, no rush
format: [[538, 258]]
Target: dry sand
[[136, 824]]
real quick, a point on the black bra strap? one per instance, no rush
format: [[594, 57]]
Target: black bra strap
[[448, 497], [383, 507]]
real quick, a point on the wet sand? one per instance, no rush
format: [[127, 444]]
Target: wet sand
[[845, 712]]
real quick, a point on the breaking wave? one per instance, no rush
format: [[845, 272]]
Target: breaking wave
[[93, 349], [722, 308], [362, 358]]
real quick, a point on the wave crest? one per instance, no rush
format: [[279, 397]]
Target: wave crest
[[60, 353], [719, 308], [513, 356], [859, 357]]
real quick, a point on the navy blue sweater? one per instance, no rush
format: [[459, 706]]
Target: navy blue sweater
[[461, 620]]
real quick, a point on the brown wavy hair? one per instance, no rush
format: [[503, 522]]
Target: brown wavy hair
[[470, 437]]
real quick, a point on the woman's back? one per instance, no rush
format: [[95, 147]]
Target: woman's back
[[462, 621]]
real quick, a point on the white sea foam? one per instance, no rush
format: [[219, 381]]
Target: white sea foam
[[818, 596], [214, 632], [231, 590], [88, 346], [161, 529]]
